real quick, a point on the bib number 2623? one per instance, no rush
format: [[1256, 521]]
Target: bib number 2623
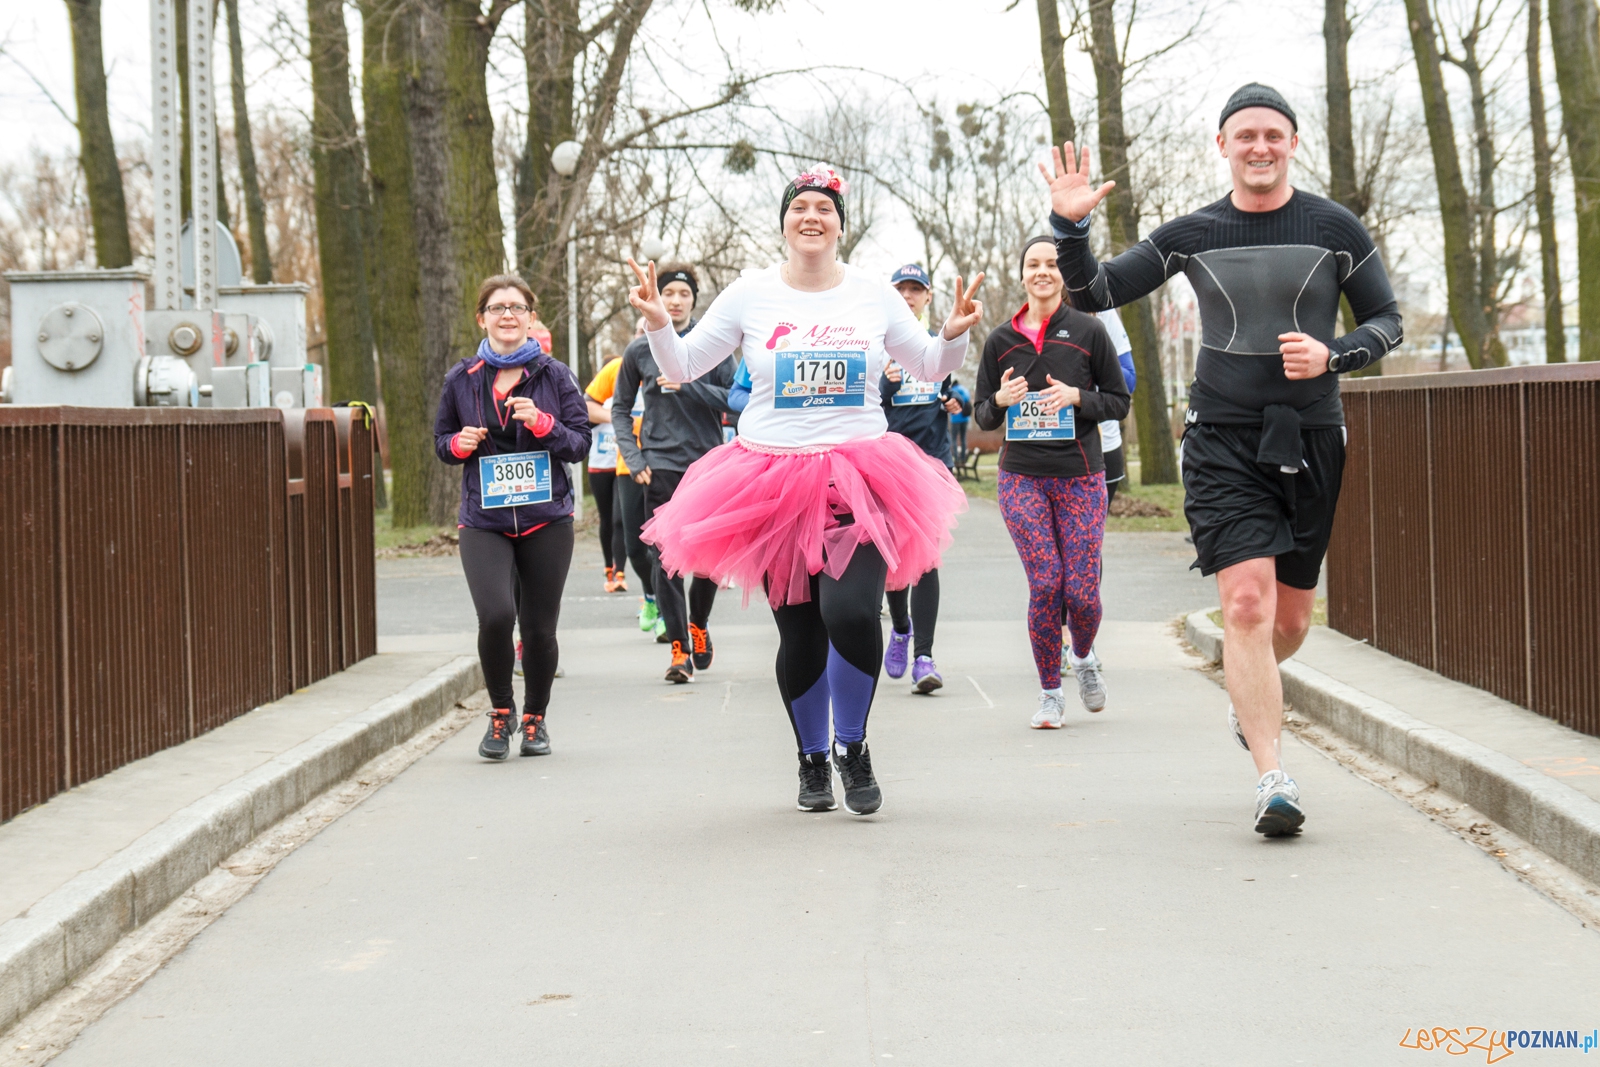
[[1027, 420], [511, 480], [820, 379]]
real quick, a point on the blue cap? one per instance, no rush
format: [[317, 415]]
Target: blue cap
[[911, 272]]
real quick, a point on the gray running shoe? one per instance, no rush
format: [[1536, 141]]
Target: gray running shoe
[[1091, 687], [1238, 731], [1051, 708], [1278, 812]]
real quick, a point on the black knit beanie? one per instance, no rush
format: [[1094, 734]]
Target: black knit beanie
[[1257, 95]]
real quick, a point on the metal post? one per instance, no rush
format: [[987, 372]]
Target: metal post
[[168, 279], [574, 469], [203, 154]]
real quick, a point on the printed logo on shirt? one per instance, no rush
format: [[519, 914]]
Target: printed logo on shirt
[[779, 338], [1063, 333]]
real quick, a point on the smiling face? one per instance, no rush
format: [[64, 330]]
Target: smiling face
[[679, 299], [917, 296], [509, 329], [812, 225], [1258, 144], [1041, 277]]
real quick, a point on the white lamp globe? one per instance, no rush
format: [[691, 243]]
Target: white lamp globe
[[653, 248], [564, 158]]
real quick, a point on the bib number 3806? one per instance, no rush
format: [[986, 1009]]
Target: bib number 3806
[[1027, 420], [820, 380], [515, 479]]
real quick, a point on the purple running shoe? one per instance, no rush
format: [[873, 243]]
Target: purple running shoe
[[895, 656], [925, 676]]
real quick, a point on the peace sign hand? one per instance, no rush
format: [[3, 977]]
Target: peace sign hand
[[1070, 194], [646, 296], [965, 312]]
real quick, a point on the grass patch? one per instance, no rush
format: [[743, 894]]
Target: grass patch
[[386, 536], [1319, 613]]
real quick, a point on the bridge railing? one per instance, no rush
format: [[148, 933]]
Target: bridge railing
[[164, 570], [1468, 534]]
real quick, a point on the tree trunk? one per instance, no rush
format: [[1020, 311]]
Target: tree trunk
[[474, 196], [255, 211], [1555, 334], [1052, 48], [1158, 460], [1575, 36], [97, 151], [339, 174], [1494, 350], [1460, 266], [548, 50]]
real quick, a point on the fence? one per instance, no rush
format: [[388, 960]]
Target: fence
[[1468, 533], [164, 570]]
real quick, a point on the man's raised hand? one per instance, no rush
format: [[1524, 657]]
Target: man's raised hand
[[1071, 196], [646, 296], [965, 311]]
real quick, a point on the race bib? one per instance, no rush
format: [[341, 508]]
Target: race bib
[[820, 379], [519, 478], [603, 449], [912, 391], [728, 434], [1026, 420]]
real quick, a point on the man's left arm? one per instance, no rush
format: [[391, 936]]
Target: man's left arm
[[1378, 327]]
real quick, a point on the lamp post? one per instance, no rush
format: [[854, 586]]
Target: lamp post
[[564, 158]]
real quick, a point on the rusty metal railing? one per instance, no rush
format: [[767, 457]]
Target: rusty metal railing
[[1468, 534], [160, 575]]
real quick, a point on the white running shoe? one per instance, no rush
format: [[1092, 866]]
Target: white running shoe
[[1238, 731], [1051, 708], [1278, 812], [1091, 687]]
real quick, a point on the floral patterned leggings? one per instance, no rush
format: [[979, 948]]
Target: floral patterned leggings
[[1057, 525]]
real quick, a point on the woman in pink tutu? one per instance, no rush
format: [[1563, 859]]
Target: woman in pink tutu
[[815, 501]]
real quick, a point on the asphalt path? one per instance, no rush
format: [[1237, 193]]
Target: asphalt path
[[649, 895]]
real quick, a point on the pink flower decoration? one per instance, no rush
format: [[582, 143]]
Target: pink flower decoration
[[822, 176]]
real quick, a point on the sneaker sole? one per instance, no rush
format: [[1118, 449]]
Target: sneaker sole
[[525, 752], [1045, 725], [832, 806], [929, 684], [1093, 708], [491, 755], [1281, 819], [868, 811]]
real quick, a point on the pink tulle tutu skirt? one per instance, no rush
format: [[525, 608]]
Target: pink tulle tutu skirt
[[745, 514]]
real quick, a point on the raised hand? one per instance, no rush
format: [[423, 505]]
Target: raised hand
[[1071, 196], [964, 311], [471, 437], [646, 296], [1011, 389], [523, 409], [1058, 395]]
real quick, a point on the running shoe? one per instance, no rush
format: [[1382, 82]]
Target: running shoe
[[660, 632], [516, 661], [897, 654], [649, 615], [682, 669], [621, 578], [1091, 687], [535, 738], [613, 582], [925, 676], [700, 644], [861, 793], [1238, 731], [1278, 811], [1051, 708], [816, 783], [496, 743]]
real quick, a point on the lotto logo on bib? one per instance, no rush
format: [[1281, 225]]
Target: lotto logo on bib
[[820, 379]]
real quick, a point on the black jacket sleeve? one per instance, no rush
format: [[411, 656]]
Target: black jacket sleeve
[[984, 412], [446, 424], [622, 397], [711, 390], [1109, 399], [1139, 271]]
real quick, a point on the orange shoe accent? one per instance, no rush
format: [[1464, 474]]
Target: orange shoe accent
[[679, 656], [697, 637]]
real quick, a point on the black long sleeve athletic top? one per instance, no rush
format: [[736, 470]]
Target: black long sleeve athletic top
[[1256, 274]]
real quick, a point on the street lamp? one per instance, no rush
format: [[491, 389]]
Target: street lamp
[[564, 158], [653, 248]]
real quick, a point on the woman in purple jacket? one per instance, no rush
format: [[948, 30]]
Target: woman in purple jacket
[[514, 418]]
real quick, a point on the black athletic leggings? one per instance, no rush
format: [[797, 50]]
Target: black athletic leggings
[[677, 610], [603, 485], [630, 514], [508, 575], [922, 599], [842, 614]]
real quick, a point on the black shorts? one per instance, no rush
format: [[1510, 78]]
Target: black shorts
[[1239, 509], [1116, 465]]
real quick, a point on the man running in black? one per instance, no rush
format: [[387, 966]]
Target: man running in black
[[681, 423], [1263, 452]]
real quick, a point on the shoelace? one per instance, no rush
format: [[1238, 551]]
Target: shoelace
[[500, 725], [698, 636], [1088, 677], [816, 775], [530, 726]]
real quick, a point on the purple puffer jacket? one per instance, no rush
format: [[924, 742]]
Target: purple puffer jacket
[[468, 400]]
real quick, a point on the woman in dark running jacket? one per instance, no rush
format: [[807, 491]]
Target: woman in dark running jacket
[[514, 418], [1050, 375]]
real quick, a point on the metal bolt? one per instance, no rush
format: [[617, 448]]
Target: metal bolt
[[43, 336], [67, 312], [94, 337]]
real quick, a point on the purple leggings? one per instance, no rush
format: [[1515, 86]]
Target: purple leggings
[[1057, 525]]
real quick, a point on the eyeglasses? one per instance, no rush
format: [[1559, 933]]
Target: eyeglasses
[[497, 310]]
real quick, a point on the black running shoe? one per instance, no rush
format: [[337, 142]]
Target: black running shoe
[[861, 793], [496, 743], [700, 647], [816, 783], [535, 738]]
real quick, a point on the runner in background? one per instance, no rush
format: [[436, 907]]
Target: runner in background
[[603, 470], [959, 418], [628, 504], [1050, 375], [1111, 429], [918, 411], [682, 422], [513, 418]]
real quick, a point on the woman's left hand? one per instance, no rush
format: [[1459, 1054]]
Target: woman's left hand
[[1058, 395], [965, 311], [523, 410]]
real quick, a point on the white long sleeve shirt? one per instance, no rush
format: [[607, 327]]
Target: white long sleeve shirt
[[814, 358]]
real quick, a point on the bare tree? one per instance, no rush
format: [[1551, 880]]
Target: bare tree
[[255, 209], [97, 149], [1575, 37], [1052, 49], [1555, 334]]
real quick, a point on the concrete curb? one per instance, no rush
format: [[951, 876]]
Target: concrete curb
[[1554, 818], [62, 935]]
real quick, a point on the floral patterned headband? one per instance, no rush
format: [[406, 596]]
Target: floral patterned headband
[[822, 178]]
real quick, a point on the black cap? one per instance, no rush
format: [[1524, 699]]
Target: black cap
[[1257, 95]]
